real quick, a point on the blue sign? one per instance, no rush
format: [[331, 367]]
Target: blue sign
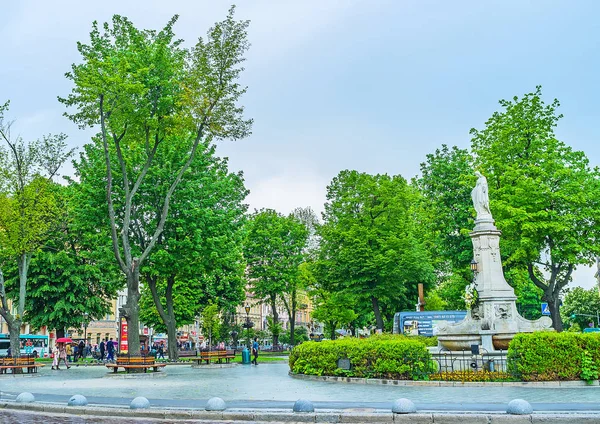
[[545, 309], [424, 323]]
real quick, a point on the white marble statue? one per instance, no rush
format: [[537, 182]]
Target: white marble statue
[[481, 199]]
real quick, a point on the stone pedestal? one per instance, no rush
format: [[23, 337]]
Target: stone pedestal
[[494, 321]]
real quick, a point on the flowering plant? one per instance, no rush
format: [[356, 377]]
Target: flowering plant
[[471, 296]]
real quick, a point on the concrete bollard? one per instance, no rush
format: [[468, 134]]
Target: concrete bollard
[[139, 402], [303, 405], [215, 404], [25, 397], [519, 407], [404, 406], [77, 400]]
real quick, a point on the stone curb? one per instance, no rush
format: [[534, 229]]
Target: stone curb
[[379, 381], [264, 416]]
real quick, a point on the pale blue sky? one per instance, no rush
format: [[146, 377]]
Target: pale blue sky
[[336, 84]]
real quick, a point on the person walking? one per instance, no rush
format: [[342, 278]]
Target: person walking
[[161, 351], [80, 352], [255, 351], [55, 353], [62, 355], [102, 350], [111, 350], [68, 351]]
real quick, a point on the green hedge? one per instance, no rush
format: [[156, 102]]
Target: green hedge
[[376, 357], [547, 356]]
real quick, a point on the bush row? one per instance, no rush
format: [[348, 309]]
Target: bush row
[[547, 356], [392, 357]]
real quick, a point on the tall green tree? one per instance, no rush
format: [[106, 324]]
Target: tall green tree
[[145, 92], [71, 279], [28, 210], [334, 310], [203, 236], [211, 323], [544, 195], [369, 246], [447, 215], [581, 306], [274, 250]]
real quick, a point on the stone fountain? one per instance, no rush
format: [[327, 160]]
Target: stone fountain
[[493, 320]]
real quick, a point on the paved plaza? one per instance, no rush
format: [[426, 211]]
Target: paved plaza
[[270, 386]]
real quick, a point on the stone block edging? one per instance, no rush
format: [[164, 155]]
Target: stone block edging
[[265, 415], [379, 381]]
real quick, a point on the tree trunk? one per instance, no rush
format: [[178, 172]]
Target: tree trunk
[[552, 290], [131, 311], [554, 306], [23, 263], [333, 334], [60, 333], [14, 329], [293, 302], [275, 320], [171, 322], [172, 348], [168, 316], [377, 312]]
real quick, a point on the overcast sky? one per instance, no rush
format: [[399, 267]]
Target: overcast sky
[[372, 85]]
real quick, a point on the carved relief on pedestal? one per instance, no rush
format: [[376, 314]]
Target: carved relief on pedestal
[[484, 243], [477, 312], [495, 243], [503, 311]]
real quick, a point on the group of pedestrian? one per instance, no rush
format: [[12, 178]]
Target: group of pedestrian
[[107, 347], [159, 350], [59, 353], [62, 352]]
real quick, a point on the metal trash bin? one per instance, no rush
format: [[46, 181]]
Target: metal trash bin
[[246, 356]]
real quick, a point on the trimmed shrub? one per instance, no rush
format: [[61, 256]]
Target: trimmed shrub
[[548, 356], [392, 357]]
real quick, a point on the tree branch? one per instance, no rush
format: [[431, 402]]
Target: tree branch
[[165, 209], [111, 208]]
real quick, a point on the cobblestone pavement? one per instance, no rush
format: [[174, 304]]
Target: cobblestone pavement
[[268, 385]]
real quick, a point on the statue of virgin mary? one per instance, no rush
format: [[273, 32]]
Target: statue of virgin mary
[[481, 199]]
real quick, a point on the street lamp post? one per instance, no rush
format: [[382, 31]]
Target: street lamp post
[[247, 308]]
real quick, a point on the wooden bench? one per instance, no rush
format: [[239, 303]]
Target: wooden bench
[[21, 363], [215, 355], [187, 353], [135, 362]]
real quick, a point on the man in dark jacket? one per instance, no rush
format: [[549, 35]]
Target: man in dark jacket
[[102, 350]]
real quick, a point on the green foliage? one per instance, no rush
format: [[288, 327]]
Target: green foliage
[[447, 214], [29, 210], [529, 296], [545, 197], [71, 275], [204, 237], [157, 104], [396, 358], [434, 302], [471, 376], [370, 244], [275, 328], [300, 336], [589, 369], [579, 301], [274, 249], [211, 323], [334, 310], [548, 356]]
